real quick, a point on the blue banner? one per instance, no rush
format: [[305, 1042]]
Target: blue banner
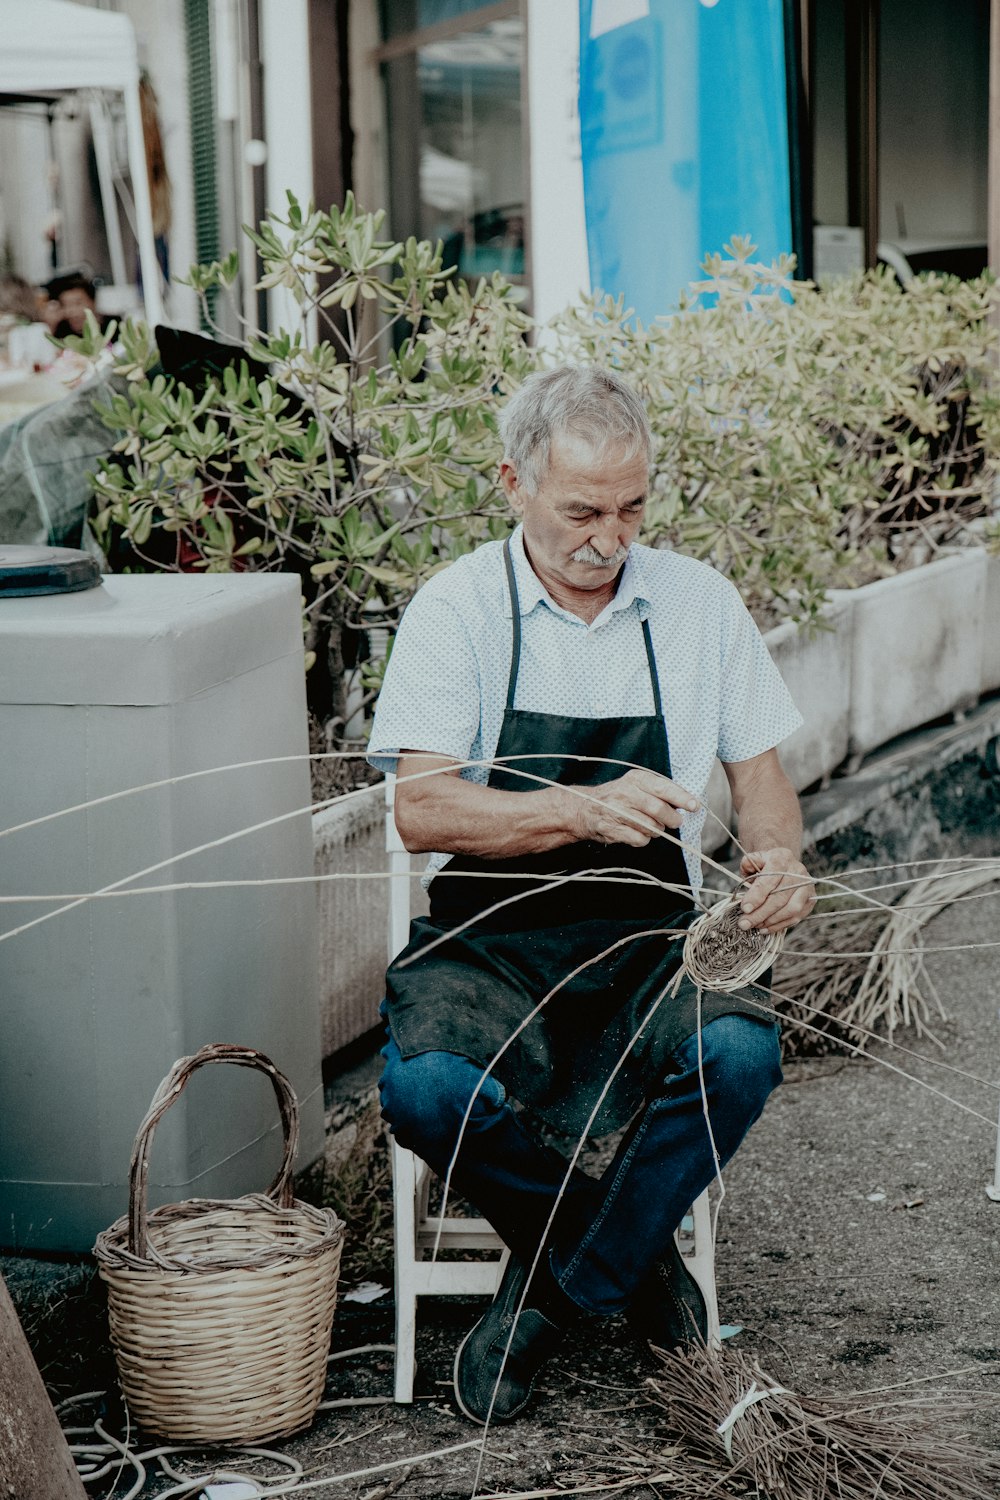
[[684, 134]]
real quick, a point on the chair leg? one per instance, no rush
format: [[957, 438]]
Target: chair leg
[[701, 1264], [404, 1191], [410, 1178]]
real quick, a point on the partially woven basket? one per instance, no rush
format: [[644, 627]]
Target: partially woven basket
[[720, 955], [221, 1309]]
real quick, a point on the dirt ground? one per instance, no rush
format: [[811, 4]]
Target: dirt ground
[[857, 1249]]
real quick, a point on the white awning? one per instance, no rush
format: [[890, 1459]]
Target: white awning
[[52, 47], [48, 46]]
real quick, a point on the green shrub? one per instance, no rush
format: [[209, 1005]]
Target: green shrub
[[808, 438], [804, 438], [363, 461]]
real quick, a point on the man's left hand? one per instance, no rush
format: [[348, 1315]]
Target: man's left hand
[[780, 890]]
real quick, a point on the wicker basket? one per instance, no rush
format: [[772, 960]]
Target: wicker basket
[[221, 1308]]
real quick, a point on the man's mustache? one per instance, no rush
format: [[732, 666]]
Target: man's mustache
[[594, 559]]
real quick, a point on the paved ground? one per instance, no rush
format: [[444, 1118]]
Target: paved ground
[[838, 1283]]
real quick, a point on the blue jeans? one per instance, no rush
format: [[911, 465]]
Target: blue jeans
[[607, 1234]]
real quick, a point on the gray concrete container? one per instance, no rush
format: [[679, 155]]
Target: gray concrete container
[[146, 679]]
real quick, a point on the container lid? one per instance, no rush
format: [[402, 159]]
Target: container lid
[[45, 570], [146, 638]]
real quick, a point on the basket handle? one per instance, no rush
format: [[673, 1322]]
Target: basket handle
[[167, 1093]]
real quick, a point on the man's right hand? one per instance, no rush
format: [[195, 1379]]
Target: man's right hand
[[632, 809]]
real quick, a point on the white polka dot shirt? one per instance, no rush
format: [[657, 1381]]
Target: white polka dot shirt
[[446, 683]]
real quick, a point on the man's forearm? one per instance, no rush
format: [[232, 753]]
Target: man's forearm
[[437, 810], [767, 807], [778, 890], [772, 821], [444, 813]]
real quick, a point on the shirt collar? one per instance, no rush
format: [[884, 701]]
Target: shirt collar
[[532, 592]]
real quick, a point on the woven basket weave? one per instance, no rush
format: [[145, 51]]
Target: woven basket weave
[[221, 1309]]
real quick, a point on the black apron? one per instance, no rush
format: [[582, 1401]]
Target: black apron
[[472, 992]]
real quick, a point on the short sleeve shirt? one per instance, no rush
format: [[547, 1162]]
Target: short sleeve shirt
[[445, 686]]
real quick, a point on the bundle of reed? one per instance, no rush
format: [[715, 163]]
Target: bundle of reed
[[863, 970], [790, 1447], [814, 986]]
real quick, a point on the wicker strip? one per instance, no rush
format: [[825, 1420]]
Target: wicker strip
[[221, 1309]]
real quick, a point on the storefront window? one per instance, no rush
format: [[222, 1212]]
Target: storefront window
[[453, 95], [402, 16]]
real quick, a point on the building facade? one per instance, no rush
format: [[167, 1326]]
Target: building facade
[[868, 137]]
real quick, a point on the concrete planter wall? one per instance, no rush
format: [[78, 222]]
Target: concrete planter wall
[[816, 667], [990, 681], [349, 842], [917, 647]]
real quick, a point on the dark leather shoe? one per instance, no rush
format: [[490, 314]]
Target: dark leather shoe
[[668, 1309], [496, 1365]]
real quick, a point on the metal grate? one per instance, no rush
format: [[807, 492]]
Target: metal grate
[[201, 104]]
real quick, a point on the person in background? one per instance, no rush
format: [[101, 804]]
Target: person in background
[[17, 300], [24, 340], [76, 296], [160, 193], [48, 310]]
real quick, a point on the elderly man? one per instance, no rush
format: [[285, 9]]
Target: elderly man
[[553, 707]]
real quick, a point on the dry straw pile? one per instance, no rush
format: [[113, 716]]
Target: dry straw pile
[[862, 970], [893, 1444]]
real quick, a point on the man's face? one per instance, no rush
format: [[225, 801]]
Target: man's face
[[585, 515], [75, 304]]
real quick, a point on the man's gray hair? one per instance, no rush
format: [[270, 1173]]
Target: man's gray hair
[[593, 405]]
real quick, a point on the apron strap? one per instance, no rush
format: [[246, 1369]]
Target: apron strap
[[653, 674], [515, 609]]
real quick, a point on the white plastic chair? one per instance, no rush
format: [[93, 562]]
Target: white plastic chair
[[416, 1231]]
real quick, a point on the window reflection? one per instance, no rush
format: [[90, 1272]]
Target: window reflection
[[455, 143], [399, 16]]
